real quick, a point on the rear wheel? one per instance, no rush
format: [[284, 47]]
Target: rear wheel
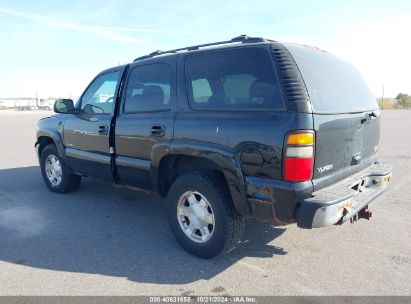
[[202, 216], [56, 175]]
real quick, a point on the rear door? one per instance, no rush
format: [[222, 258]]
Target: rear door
[[345, 115], [145, 121]]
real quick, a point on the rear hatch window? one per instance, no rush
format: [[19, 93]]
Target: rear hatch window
[[334, 85]]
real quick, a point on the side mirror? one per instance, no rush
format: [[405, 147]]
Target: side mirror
[[64, 106]]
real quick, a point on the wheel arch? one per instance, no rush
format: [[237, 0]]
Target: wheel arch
[[45, 138], [180, 158]]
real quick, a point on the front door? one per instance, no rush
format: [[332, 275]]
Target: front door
[[86, 133]]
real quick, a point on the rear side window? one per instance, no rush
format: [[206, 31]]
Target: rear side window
[[201, 90], [240, 79], [334, 85], [148, 89]]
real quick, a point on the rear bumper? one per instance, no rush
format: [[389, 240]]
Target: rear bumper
[[345, 200], [275, 201], [283, 202]]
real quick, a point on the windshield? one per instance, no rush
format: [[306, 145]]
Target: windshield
[[334, 86]]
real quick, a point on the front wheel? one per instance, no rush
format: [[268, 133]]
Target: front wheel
[[56, 175], [201, 214]]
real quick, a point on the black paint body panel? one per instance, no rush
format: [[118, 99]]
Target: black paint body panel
[[246, 146], [348, 142]]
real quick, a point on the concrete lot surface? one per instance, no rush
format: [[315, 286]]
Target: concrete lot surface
[[102, 240]]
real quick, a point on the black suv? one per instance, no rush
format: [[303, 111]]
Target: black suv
[[242, 129]]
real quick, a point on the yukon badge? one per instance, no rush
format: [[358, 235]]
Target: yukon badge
[[325, 168]]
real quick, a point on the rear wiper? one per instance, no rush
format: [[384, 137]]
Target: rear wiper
[[372, 114]]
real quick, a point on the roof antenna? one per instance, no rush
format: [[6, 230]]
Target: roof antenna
[[240, 38]]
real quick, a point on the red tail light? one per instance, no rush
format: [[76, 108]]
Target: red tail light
[[299, 157]]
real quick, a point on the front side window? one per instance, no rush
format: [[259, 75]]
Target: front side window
[[148, 89], [99, 96], [237, 79]]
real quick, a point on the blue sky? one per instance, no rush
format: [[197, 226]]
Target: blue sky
[[55, 48]]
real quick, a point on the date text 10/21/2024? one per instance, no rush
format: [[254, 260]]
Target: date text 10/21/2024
[[203, 299]]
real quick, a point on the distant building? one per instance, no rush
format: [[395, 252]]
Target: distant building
[[27, 103], [387, 104], [21, 102]]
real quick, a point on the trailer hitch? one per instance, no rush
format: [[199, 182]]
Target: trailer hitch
[[365, 213]]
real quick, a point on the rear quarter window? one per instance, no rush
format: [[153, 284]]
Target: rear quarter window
[[236, 79]]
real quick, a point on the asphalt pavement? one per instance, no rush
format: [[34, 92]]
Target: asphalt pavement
[[102, 240]]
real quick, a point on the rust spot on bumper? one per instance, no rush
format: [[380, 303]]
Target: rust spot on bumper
[[365, 213], [264, 211]]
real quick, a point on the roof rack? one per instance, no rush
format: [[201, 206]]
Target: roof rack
[[241, 38]]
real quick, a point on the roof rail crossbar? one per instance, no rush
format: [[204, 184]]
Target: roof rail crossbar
[[241, 38]]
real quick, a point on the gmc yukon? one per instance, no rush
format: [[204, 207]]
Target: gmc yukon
[[242, 129]]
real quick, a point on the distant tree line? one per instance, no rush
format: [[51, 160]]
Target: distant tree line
[[402, 101]]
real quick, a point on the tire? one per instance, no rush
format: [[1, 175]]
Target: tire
[[228, 226], [68, 182]]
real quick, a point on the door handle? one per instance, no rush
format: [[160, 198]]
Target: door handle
[[158, 130], [103, 130]]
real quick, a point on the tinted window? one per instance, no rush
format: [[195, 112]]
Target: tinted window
[[201, 90], [99, 96], [232, 80], [334, 85], [148, 89]]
